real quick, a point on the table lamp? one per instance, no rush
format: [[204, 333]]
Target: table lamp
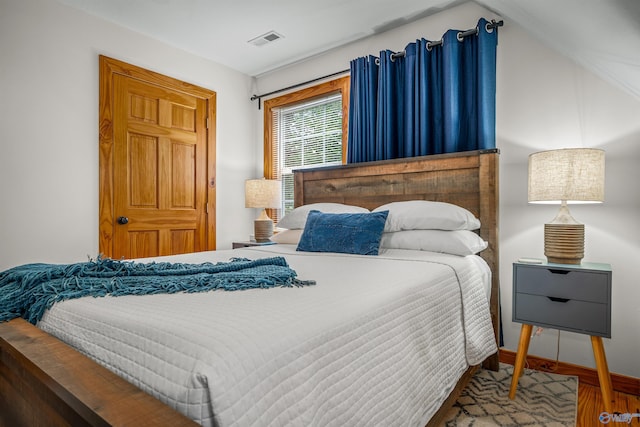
[[262, 193], [565, 176]]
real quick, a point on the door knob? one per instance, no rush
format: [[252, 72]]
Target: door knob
[[123, 220]]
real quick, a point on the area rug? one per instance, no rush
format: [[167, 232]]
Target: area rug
[[542, 399]]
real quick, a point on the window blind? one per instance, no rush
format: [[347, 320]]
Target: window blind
[[308, 134]]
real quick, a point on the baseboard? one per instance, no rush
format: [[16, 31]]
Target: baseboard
[[621, 383]]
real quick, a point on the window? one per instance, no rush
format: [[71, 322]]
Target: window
[[307, 128]]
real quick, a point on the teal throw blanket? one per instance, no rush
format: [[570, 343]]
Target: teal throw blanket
[[28, 290]]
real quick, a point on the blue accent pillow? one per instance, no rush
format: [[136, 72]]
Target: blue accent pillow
[[349, 233]]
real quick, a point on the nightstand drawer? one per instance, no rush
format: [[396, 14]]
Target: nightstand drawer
[[572, 315], [249, 244], [562, 283], [236, 245]]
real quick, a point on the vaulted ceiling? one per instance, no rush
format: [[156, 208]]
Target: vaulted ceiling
[[603, 36]]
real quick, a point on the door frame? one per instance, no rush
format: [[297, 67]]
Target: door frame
[[106, 215]]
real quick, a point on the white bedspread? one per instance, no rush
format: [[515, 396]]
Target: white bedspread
[[377, 341]]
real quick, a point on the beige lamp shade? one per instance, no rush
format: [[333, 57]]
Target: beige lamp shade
[[263, 193], [571, 175]]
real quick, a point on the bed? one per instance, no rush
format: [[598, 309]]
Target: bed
[[350, 363]]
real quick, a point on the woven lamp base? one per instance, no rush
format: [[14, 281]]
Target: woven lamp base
[[262, 230], [564, 243]]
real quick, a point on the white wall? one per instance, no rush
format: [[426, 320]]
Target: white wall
[[544, 101], [49, 128]]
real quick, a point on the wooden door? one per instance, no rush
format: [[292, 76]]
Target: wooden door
[[158, 165]]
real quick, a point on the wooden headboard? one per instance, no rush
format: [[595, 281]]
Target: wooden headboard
[[468, 179]]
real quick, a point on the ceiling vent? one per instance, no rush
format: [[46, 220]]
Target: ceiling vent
[[269, 37]]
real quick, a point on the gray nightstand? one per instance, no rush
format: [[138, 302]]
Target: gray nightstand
[[247, 244], [574, 298]]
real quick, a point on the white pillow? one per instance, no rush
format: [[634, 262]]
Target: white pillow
[[287, 237], [427, 215], [457, 242], [297, 218]]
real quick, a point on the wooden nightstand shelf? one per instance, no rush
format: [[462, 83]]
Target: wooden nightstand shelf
[[575, 298], [247, 244]]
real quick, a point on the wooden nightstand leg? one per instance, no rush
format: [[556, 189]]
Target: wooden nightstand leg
[[603, 373], [521, 355]]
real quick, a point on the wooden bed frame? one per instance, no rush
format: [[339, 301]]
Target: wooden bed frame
[[44, 382]]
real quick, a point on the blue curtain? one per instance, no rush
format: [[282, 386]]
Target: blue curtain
[[429, 101]]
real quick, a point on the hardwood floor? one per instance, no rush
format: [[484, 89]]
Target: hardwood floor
[[590, 406]]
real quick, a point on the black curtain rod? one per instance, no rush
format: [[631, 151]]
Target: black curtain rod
[[462, 34], [258, 97]]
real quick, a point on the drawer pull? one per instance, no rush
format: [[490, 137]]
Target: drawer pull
[[556, 271], [556, 299]]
